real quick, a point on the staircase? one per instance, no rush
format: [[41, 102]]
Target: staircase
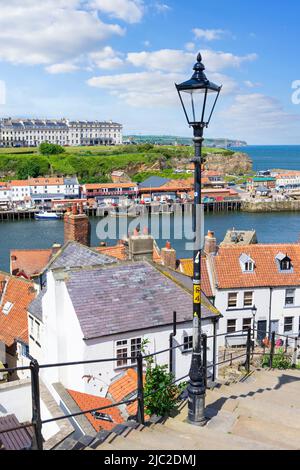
[[260, 412]]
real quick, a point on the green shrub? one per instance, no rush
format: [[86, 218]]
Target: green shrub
[[280, 360], [50, 149], [161, 394]]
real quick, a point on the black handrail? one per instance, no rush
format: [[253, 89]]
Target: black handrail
[[34, 367]]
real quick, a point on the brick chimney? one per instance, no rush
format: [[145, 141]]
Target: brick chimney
[[210, 243], [77, 226], [168, 256], [140, 247]]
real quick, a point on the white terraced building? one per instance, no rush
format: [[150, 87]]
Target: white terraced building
[[33, 132]]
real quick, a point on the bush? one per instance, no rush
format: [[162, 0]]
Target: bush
[[280, 360], [50, 149], [161, 394]]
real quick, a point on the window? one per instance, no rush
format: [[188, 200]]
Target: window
[[285, 264], [288, 324], [248, 299], [24, 350], [7, 308], [232, 299], [31, 326], [187, 343], [127, 348], [247, 323], [231, 326], [290, 296], [248, 266]]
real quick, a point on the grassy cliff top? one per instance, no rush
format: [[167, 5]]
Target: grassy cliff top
[[95, 164]]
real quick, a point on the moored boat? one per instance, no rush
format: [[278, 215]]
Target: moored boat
[[47, 215]]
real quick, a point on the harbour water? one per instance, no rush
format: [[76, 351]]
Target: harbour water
[[271, 228]]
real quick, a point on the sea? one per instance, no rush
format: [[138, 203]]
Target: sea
[[283, 227], [266, 157]]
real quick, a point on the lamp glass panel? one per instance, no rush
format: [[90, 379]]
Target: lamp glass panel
[[198, 104]]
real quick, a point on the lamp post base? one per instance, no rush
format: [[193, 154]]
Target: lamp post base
[[196, 405]]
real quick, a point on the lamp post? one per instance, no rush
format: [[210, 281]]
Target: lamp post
[[198, 97], [254, 311]]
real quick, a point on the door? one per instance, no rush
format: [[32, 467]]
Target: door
[[261, 329], [274, 326]]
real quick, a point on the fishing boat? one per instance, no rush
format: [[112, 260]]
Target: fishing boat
[[45, 215]]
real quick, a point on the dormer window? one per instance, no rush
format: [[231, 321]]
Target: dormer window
[[247, 264], [284, 263]]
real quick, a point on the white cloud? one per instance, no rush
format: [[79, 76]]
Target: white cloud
[[130, 11], [258, 112], [106, 59], [161, 7], [190, 46], [2, 92], [173, 60], [251, 84], [64, 67], [151, 88], [209, 34], [49, 32]]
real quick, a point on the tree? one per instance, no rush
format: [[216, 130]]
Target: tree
[[50, 149]]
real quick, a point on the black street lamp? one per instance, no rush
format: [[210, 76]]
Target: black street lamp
[[198, 97], [254, 311]]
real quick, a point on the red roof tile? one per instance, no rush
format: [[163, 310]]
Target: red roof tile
[[88, 402], [266, 273], [29, 262], [20, 294]]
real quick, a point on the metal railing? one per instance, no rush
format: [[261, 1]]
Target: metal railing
[[139, 360]]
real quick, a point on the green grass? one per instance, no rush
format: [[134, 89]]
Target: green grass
[[95, 164]]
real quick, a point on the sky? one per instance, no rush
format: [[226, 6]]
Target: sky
[[119, 60]]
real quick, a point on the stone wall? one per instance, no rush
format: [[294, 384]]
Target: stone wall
[[270, 206]]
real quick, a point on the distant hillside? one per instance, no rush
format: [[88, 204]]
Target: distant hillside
[[175, 140]]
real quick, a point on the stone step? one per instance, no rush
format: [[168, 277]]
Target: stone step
[[258, 408], [211, 440], [153, 440], [125, 443], [270, 433]]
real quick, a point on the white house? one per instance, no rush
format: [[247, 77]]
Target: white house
[[5, 196], [20, 190], [257, 283], [107, 311]]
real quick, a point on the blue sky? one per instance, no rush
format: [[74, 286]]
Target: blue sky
[[119, 59]]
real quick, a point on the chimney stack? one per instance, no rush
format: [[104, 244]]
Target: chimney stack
[[77, 226], [55, 248], [210, 243], [140, 247], [168, 256]]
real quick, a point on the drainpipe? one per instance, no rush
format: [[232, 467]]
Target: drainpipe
[[172, 335], [270, 311]]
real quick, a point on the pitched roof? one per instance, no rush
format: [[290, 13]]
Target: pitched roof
[[29, 262], [110, 185], [46, 181], [119, 251], [88, 402], [266, 273], [19, 439], [123, 387], [73, 254], [19, 293], [154, 182], [186, 266], [126, 297]]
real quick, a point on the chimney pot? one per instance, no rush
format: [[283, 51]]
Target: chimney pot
[[168, 245], [210, 243]]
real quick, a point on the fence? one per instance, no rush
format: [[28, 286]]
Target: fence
[[140, 358]]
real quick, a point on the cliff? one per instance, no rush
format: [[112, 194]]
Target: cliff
[[237, 164]]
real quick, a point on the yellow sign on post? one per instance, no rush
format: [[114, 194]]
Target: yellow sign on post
[[197, 294]]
